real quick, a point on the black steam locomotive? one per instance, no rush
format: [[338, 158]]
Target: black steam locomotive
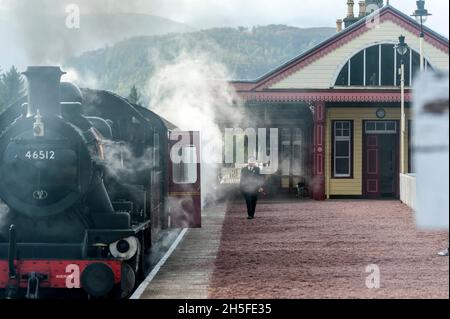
[[87, 185]]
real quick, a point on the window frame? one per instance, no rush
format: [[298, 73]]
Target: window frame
[[409, 64], [285, 148], [335, 139], [183, 179], [385, 131]]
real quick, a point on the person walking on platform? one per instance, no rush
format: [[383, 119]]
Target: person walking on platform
[[251, 186]]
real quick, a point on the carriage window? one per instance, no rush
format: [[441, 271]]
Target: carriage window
[[342, 149], [185, 172]]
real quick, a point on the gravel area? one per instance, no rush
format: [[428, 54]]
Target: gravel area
[[309, 249]]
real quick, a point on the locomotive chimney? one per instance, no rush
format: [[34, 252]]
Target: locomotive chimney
[[43, 90]]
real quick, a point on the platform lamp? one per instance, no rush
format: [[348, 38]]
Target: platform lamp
[[402, 48], [421, 15]]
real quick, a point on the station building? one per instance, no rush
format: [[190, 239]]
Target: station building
[[337, 106]]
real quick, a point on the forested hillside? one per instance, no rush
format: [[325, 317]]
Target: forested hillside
[[96, 31], [247, 53]]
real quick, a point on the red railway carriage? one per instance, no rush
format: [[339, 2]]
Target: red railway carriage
[[87, 182]]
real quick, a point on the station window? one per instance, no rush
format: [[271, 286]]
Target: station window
[[381, 127], [378, 66], [285, 151], [185, 172], [297, 152], [388, 68], [373, 66], [357, 69], [342, 149], [343, 77]]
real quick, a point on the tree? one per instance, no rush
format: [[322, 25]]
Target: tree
[[11, 87], [134, 96]]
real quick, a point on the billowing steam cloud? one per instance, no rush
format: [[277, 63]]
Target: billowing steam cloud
[[192, 92], [122, 162], [85, 79], [4, 210]]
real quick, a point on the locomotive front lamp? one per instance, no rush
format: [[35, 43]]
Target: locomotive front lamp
[[38, 125]]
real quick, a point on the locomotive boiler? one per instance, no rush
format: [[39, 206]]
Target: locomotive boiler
[[89, 185]]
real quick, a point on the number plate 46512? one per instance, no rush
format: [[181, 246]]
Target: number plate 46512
[[40, 155]]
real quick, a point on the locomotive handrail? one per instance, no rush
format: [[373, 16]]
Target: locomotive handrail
[[12, 252]]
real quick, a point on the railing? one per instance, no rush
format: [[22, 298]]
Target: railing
[[408, 189]]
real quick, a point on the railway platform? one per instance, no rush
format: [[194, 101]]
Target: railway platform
[[185, 273], [305, 249]]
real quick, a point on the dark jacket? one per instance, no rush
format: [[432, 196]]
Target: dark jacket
[[251, 180]]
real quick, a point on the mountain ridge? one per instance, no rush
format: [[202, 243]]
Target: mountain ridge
[[96, 31], [247, 53]]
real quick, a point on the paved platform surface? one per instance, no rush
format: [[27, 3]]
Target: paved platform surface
[[187, 273], [305, 249], [322, 250]]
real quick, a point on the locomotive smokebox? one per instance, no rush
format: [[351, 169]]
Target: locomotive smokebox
[[44, 90]]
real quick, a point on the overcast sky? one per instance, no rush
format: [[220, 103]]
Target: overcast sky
[[302, 13], [213, 13], [200, 14]]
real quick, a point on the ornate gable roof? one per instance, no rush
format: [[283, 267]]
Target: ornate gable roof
[[387, 13]]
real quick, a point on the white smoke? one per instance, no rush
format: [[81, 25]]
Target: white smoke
[[4, 211], [87, 79], [121, 161], [193, 93]]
